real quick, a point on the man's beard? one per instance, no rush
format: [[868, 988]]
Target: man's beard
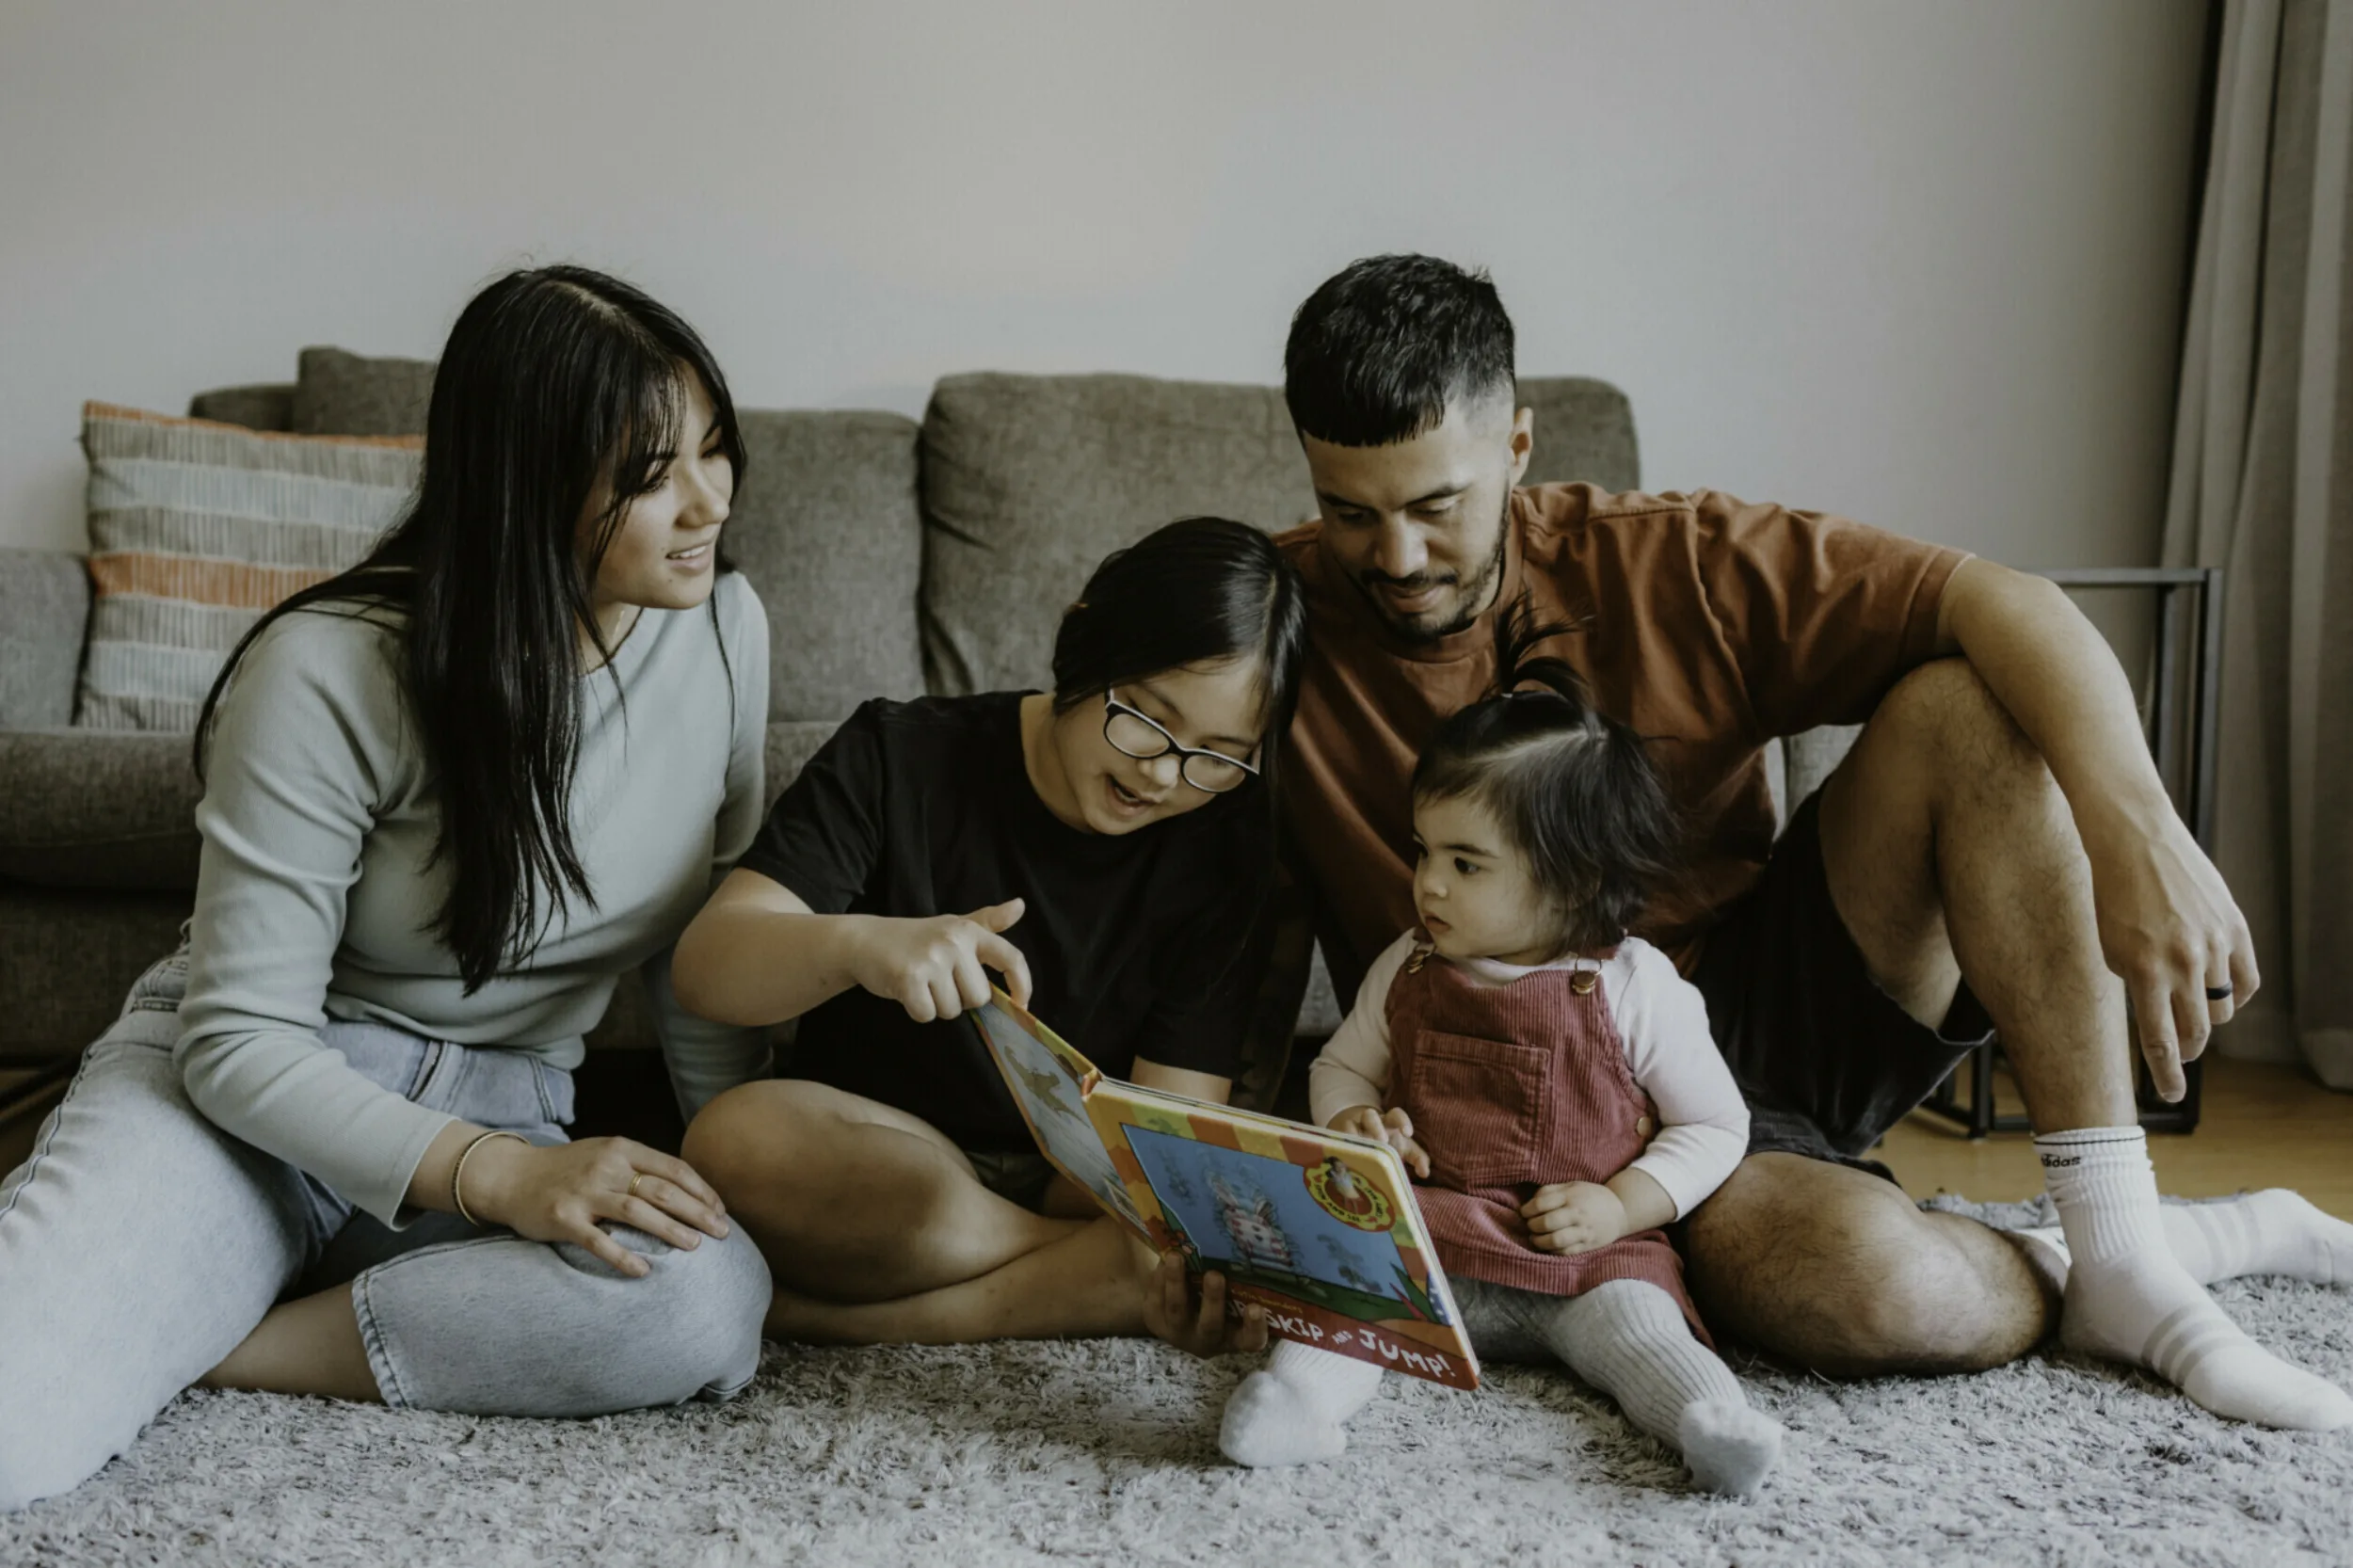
[[1473, 599]]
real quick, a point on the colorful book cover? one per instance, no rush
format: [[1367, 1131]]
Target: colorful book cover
[[1317, 1227]]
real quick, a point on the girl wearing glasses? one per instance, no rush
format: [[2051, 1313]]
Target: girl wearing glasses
[[1103, 849]]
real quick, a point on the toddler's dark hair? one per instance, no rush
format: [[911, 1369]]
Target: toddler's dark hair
[[1574, 791]]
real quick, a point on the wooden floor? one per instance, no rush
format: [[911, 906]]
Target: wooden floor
[[2260, 1125]]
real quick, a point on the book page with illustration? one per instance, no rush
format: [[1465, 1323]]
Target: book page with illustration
[[1319, 1228]]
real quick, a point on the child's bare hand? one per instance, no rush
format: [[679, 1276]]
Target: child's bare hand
[[1393, 1127], [1574, 1217], [1169, 1313]]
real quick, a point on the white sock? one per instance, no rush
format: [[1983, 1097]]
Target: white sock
[[1293, 1412], [2271, 1232], [2129, 1298], [1628, 1338]]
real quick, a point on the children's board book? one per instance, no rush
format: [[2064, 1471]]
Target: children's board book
[[1317, 1227]]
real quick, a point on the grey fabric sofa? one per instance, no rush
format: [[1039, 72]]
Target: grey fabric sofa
[[893, 558]]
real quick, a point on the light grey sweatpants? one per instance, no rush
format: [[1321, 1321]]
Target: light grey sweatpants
[[140, 1243]]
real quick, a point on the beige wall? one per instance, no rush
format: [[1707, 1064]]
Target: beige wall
[[1918, 262]]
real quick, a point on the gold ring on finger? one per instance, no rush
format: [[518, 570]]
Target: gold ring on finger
[[633, 1180]]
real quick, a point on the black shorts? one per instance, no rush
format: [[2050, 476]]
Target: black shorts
[[1827, 1060], [1020, 1177]]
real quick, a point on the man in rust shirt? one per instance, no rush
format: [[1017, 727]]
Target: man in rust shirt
[[1996, 852]]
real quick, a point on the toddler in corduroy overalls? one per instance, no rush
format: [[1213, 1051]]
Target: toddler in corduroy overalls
[[1550, 1080]]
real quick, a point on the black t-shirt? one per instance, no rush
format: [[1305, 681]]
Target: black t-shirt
[[1135, 940]]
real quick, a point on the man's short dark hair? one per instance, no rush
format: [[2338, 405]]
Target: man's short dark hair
[[1378, 352]]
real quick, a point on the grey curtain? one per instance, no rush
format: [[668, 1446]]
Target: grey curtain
[[2262, 486]]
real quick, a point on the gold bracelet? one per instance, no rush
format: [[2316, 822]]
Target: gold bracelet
[[458, 1171]]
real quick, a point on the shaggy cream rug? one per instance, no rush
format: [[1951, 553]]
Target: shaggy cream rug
[[1105, 1450]]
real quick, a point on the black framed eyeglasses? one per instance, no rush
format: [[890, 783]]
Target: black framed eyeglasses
[[1133, 735]]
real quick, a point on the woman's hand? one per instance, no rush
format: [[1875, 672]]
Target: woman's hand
[[1393, 1127], [1169, 1313], [1574, 1217], [559, 1193], [934, 967]]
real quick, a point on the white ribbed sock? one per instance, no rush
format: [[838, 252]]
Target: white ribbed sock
[[2129, 1297], [2271, 1232], [1294, 1411], [1628, 1338]]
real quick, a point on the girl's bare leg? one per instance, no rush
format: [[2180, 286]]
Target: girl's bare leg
[[851, 1201], [1088, 1279]]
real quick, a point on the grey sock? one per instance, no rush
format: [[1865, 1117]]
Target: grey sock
[[1628, 1338]]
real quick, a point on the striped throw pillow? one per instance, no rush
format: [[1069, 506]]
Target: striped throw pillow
[[195, 529]]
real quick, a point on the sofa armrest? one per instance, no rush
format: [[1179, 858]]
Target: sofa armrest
[[83, 809], [44, 606]]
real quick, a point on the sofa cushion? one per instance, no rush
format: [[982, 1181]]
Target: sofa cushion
[[1584, 429], [1814, 755], [97, 808], [265, 406], [337, 392], [196, 530], [824, 525], [789, 748], [44, 610], [1030, 480]]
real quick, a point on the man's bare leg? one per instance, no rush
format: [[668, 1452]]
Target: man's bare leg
[[1835, 1269], [851, 1200], [1950, 849], [1832, 1266]]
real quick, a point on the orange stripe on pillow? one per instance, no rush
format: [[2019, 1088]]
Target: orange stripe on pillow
[[230, 584], [146, 416]]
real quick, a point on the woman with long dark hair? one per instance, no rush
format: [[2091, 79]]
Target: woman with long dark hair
[[1105, 848], [450, 796]]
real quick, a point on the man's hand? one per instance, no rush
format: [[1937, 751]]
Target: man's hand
[[1393, 1127], [1574, 1217], [2170, 929], [2167, 926], [1169, 1313], [934, 967]]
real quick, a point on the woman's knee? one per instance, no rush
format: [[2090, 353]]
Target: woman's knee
[[695, 1318]]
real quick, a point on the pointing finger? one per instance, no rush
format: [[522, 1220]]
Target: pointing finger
[[1007, 960], [998, 916]]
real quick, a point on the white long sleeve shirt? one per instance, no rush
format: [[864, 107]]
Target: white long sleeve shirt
[[1661, 1019]]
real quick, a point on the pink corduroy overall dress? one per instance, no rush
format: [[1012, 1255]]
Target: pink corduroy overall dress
[[1512, 1088]]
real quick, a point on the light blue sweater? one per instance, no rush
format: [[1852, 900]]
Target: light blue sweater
[[316, 895]]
